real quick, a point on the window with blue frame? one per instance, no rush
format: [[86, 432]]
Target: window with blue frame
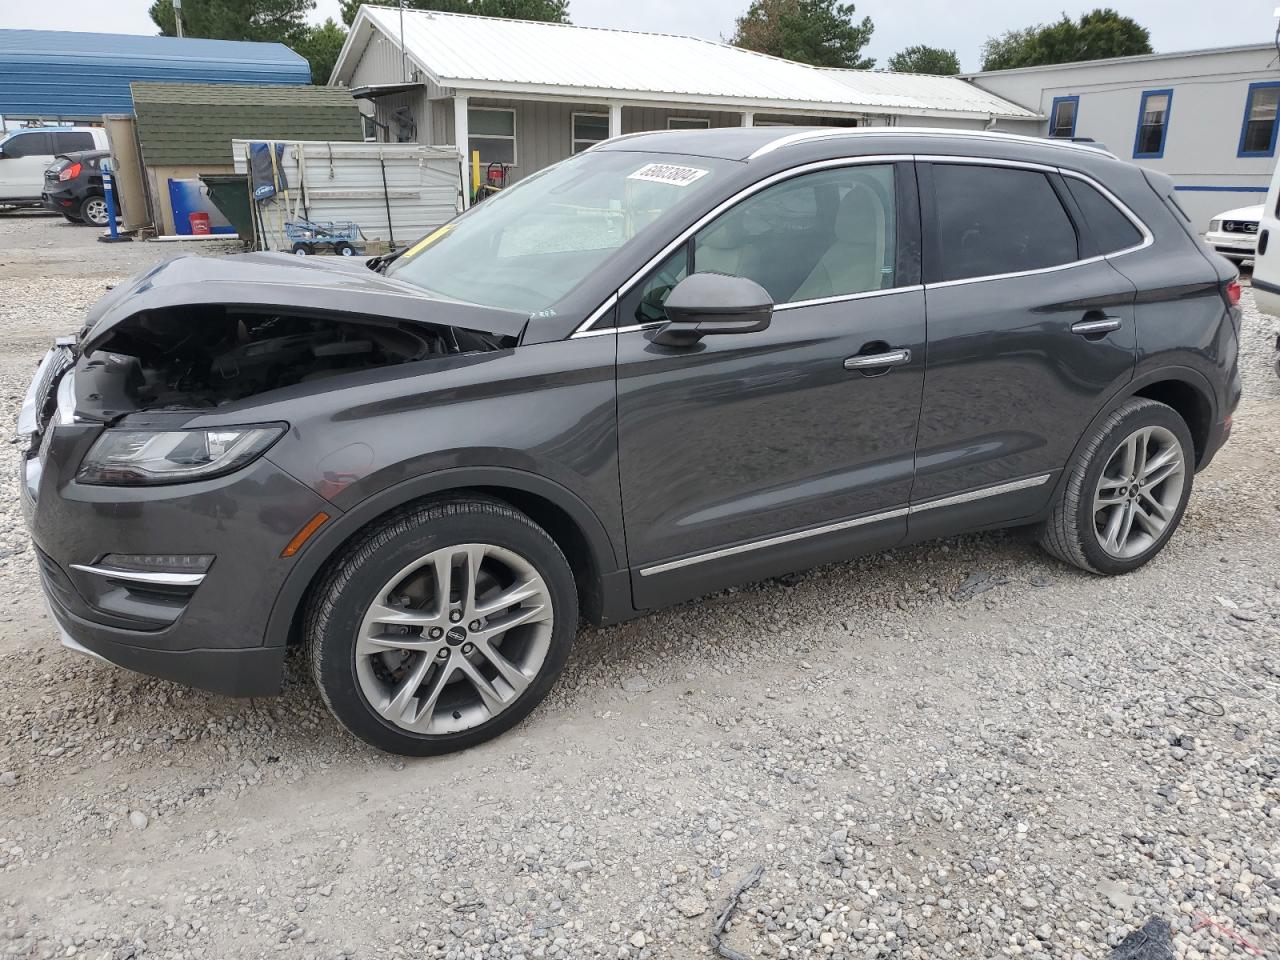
[[1153, 124], [1258, 132], [1062, 117]]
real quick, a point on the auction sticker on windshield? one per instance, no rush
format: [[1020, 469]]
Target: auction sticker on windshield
[[670, 173]]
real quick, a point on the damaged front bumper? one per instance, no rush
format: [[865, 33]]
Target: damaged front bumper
[[205, 626]]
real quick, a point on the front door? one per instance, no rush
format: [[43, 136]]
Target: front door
[[1029, 332], [747, 455]]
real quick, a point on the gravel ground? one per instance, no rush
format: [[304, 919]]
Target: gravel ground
[[961, 749]]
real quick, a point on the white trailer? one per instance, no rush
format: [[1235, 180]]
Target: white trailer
[[394, 192]]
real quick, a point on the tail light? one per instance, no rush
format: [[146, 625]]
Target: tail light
[[1231, 292], [70, 173]]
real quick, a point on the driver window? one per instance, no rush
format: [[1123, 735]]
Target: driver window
[[824, 234]]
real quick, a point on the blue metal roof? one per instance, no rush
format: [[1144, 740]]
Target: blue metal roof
[[54, 74]]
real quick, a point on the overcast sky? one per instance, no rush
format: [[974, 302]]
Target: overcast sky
[[1174, 24]]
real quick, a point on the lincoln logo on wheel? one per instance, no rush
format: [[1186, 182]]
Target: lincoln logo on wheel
[[456, 635]]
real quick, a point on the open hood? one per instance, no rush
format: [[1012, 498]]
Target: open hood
[[278, 281]]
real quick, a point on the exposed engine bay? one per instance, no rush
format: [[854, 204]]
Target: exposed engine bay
[[210, 354]]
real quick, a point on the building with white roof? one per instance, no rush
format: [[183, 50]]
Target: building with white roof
[[528, 94]]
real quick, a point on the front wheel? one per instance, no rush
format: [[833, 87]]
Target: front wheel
[[1126, 491], [442, 627]]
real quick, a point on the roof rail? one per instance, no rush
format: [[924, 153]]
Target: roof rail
[[806, 136]]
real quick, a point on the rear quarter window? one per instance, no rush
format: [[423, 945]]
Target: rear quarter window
[[1111, 229]]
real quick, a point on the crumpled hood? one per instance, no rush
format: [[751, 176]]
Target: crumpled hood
[[283, 281]]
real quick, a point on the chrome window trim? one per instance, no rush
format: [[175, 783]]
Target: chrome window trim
[[1147, 237], [142, 576], [843, 297], [584, 328], [969, 496]]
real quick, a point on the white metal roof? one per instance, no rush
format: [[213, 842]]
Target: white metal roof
[[494, 55]]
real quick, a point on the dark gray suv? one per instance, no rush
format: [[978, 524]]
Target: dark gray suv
[[671, 363]]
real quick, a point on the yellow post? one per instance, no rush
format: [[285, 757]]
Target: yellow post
[[475, 171]]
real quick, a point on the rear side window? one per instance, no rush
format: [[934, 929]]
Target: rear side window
[[994, 220], [28, 145], [73, 141], [1111, 229]]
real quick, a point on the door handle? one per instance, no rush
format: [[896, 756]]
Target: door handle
[[874, 361], [1096, 328], [1262, 242]]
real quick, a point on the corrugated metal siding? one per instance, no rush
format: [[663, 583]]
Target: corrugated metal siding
[[192, 124], [343, 181], [477, 52], [57, 74], [640, 119]]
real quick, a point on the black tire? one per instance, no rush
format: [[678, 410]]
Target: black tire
[[1070, 533], [93, 210], [353, 579], [70, 219], [303, 249], [344, 249]]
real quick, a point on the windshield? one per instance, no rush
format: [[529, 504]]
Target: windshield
[[526, 247]]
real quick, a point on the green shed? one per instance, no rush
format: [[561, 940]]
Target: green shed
[[185, 130]]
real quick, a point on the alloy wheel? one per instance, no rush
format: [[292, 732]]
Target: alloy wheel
[[454, 638], [1137, 495], [95, 210]]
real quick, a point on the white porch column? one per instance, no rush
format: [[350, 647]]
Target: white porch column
[[748, 118], [462, 137], [615, 120]]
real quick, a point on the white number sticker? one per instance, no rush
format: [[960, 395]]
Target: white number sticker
[[668, 173]]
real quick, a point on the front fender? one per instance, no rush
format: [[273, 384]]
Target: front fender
[[606, 554]]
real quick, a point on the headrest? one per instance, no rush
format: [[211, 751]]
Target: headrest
[[859, 218]]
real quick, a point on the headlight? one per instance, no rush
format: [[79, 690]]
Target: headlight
[[148, 457], [1215, 226]]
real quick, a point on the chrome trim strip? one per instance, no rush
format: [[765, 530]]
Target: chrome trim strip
[[982, 493], [682, 237], [773, 541], [968, 497], [793, 304], [142, 576]]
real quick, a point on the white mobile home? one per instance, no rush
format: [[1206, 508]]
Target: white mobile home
[[529, 94], [1207, 118]]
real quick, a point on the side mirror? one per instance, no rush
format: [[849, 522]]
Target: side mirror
[[703, 304]]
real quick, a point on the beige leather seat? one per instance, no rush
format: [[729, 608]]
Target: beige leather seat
[[723, 248], [855, 260]]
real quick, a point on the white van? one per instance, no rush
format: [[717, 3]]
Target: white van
[[24, 155], [1266, 262]]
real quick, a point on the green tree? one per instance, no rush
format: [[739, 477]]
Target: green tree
[[272, 21], [820, 32], [1096, 35], [275, 21], [923, 59], [555, 11], [321, 46]]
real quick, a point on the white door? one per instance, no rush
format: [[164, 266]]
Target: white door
[[25, 156]]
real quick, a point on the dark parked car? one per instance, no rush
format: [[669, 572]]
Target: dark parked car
[[668, 364], [73, 187]]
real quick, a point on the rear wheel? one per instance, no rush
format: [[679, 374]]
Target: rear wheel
[[442, 627], [344, 249], [1126, 492], [94, 210]]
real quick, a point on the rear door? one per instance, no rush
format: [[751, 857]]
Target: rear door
[[748, 455], [26, 155], [1030, 328]]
